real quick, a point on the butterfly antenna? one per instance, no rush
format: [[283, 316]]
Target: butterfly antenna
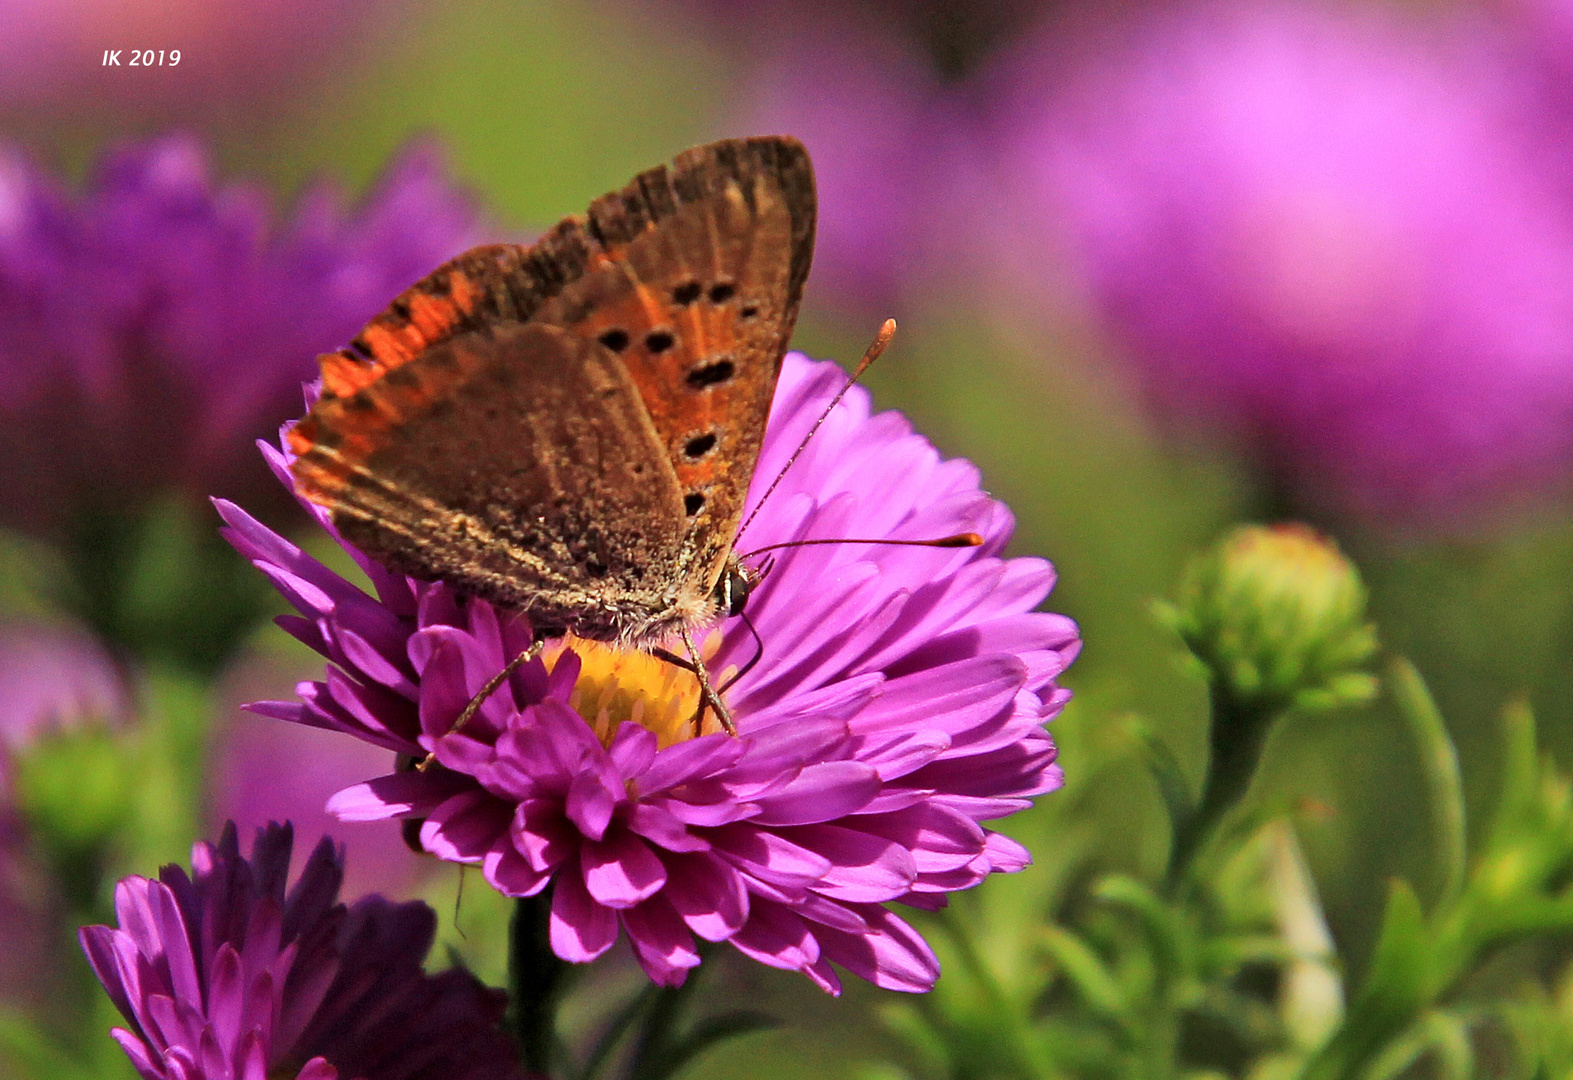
[[960, 540], [886, 331]]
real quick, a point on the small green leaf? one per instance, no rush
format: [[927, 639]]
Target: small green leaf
[[1439, 769], [1161, 924], [1173, 786], [1394, 993], [1087, 973]]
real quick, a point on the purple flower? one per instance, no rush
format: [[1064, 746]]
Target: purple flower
[[889, 139], [207, 56], [262, 771], [150, 325], [1326, 228], [53, 675], [899, 703], [225, 975]]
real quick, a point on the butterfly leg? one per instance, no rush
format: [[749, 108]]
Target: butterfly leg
[[707, 692], [487, 691]]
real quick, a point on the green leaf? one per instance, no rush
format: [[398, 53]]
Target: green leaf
[[1174, 788], [1162, 925], [1520, 772], [1395, 991], [1092, 980], [1439, 769]]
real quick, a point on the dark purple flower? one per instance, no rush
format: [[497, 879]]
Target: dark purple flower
[[899, 704], [1327, 227], [226, 975], [151, 325]]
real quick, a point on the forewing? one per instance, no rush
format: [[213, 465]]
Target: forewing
[[571, 391]]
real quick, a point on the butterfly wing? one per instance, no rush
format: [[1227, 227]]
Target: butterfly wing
[[571, 428]]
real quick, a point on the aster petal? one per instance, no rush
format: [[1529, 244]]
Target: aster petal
[[465, 827], [591, 801], [1006, 855], [655, 824], [955, 698], [863, 867], [317, 1069], [662, 944], [891, 955], [100, 945], [769, 857], [137, 1050], [542, 835], [695, 759], [707, 894], [621, 870], [511, 873], [633, 749], [580, 929], [939, 838], [226, 1003], [403, 794], [776, 936], [819, 793]]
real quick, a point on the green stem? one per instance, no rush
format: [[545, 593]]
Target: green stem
[[535, 981], [658, 1034], [1235, 740]]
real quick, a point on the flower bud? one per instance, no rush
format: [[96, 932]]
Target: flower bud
[[1276, 617]]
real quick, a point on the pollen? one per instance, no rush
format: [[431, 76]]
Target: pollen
[[618, 685]]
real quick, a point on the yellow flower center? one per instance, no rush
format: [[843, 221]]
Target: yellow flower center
[[618, 685]]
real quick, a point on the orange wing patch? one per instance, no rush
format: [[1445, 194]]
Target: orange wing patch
[[371, 387]]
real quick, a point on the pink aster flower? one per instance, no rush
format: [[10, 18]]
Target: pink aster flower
[[224, 975], [1331, 229], [899, 705]]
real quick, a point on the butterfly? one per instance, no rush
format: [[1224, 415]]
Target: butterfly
[[569, 429]]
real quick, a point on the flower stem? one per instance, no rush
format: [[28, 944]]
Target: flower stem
[[1235, 740], [535, 981]]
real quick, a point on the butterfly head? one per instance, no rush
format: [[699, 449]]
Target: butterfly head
[[734, 586]]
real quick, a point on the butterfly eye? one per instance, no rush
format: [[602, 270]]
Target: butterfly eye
[[693, 502], [616, 340], [721, 292], [686, 293]]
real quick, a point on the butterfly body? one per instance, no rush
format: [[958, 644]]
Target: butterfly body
[[569, 429]]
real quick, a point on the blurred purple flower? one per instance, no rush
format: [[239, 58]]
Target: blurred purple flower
[[899, 703], [153, 324], [264, 771], [888, 139], [1329, 229], [223, 975], [53, 54], [30, 934], [52, 675]]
